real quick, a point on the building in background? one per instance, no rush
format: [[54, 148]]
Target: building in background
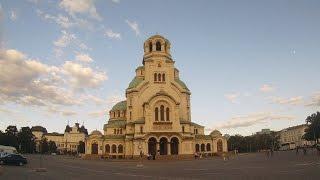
[[292, 137], [66, 142], [264, 131], [155, 118]]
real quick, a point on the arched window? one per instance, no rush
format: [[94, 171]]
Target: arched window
[[158, 46], [117, 131], [120, 149], [141, 129], [197, 148], [167, 114], [114, 114], [163, 77], [114, 148], [107, 148], [208, 147], [155, 76], [162, 113], [159, 77], [156, 114], [114, 131], [203, 148], [118, 113], [182, 129], [130, 116], [120, 131], [150, 46]]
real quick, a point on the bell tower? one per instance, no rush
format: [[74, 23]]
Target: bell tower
[[156, 47]]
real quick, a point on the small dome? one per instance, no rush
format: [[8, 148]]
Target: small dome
[[215, 133], [96, 132], [157, 36], [120, 106]]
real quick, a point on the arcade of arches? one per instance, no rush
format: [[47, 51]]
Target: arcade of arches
[[155, 118]]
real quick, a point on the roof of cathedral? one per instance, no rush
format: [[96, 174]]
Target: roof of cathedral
[[140, 67], [114, 137], [215, 133], [122, 105], [135, 82], [115, 123], [96, 132], [158, 36], [181, 83], [54, 134], [202, 136], [39, 129]]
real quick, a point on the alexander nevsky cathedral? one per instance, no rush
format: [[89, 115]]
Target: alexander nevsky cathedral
[[155, 118]]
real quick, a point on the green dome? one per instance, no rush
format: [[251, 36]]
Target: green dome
[[120, 106], [135, 82], [181, 83]]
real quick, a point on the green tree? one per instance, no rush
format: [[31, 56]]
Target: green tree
[[26, 140], [52, 147], [312, 133], [81, 147], [9, 138], [44, 147]]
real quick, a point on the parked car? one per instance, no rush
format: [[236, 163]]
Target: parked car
[[14, 159]]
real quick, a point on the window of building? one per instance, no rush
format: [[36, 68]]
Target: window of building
[[114, 131], [120, 149], [167, 114], [159, 77], [156, 114], [114, 148], [120, 131], [163, 77], [162, 113], [118, 113], [141, 129], [155, 77], [130, 115], [107, 148], [158, 46], [117, 131], [114, 114], [150, 46], [182, 129]]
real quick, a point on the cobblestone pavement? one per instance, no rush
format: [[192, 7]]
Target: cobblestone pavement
[[283, 165]]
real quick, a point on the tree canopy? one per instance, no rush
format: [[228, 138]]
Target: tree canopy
[[312, 133]]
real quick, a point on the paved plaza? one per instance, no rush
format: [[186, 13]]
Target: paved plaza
[[283, 165]]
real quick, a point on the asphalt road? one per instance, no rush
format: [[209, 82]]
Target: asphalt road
[[283, 165]]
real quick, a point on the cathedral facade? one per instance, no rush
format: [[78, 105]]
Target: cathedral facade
[[155, 118]]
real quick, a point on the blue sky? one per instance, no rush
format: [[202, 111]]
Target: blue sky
[[249, 64]]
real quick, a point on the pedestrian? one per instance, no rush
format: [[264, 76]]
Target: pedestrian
[[297, 150], [304, 151]]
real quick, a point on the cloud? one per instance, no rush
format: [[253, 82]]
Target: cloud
[[232, 97], [116, 1], [134, 26], [83, 7], [68, 113], [97, 114], [112, 35], [84, 58], [83, 77], [65, 22], [267, 88], [68, 39], [315, 100], [252, 119], [290, 101], [29, 82], [13, 15], [64, 40]]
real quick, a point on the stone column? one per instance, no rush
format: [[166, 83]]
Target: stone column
[[168, 148], [158, 148]]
